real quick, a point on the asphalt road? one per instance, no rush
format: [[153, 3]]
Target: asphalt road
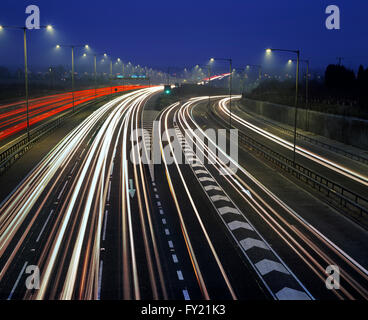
[[102, 221]]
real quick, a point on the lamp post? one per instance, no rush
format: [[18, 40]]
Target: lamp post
[[243, 79], [307, 63], [72, 47], [24, 29], [209, 82], [259, 67], [123, 68], [105, 57], [94, 70], [230, 83], [297, 52]]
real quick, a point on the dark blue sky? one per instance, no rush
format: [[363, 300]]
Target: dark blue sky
[[182, 33]]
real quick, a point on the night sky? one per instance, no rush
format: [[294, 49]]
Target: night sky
[[184, 33]]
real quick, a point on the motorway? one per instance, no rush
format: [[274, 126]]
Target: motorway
[[117, 212]]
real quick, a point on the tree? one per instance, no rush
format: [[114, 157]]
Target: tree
[[4, 73], [339, 78]]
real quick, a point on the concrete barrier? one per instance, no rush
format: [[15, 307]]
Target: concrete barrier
[[348, 130]]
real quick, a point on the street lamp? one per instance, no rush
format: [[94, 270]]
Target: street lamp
[[297, 52], [120, 61], [72, 47], [47, 27], [230, 83]]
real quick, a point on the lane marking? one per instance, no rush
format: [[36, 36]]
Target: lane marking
[[266, 266], [44, 226], [109, 191], [219, 198], [180, 275], [71, 172], [104, 231], [175, 258], [186, 295], [225, 210], [205, 179], [17, 281], [291, 294], [200, 171], [211, 188], [62, 190], [234, 225], [250, 243], [99, 281]]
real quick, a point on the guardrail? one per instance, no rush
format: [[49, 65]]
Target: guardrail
[[337, 193], [16, 148], [314, 141]]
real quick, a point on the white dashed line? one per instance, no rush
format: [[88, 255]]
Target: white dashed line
[[180, 275], [108, 193], [44, 226], [104, 232], [99, 280], [186, 295], [17, 281], [62, 190]]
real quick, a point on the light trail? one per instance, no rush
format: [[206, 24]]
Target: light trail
[[13, 121], [300, 150], [78, 224], [205, 233], [268, 213]]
